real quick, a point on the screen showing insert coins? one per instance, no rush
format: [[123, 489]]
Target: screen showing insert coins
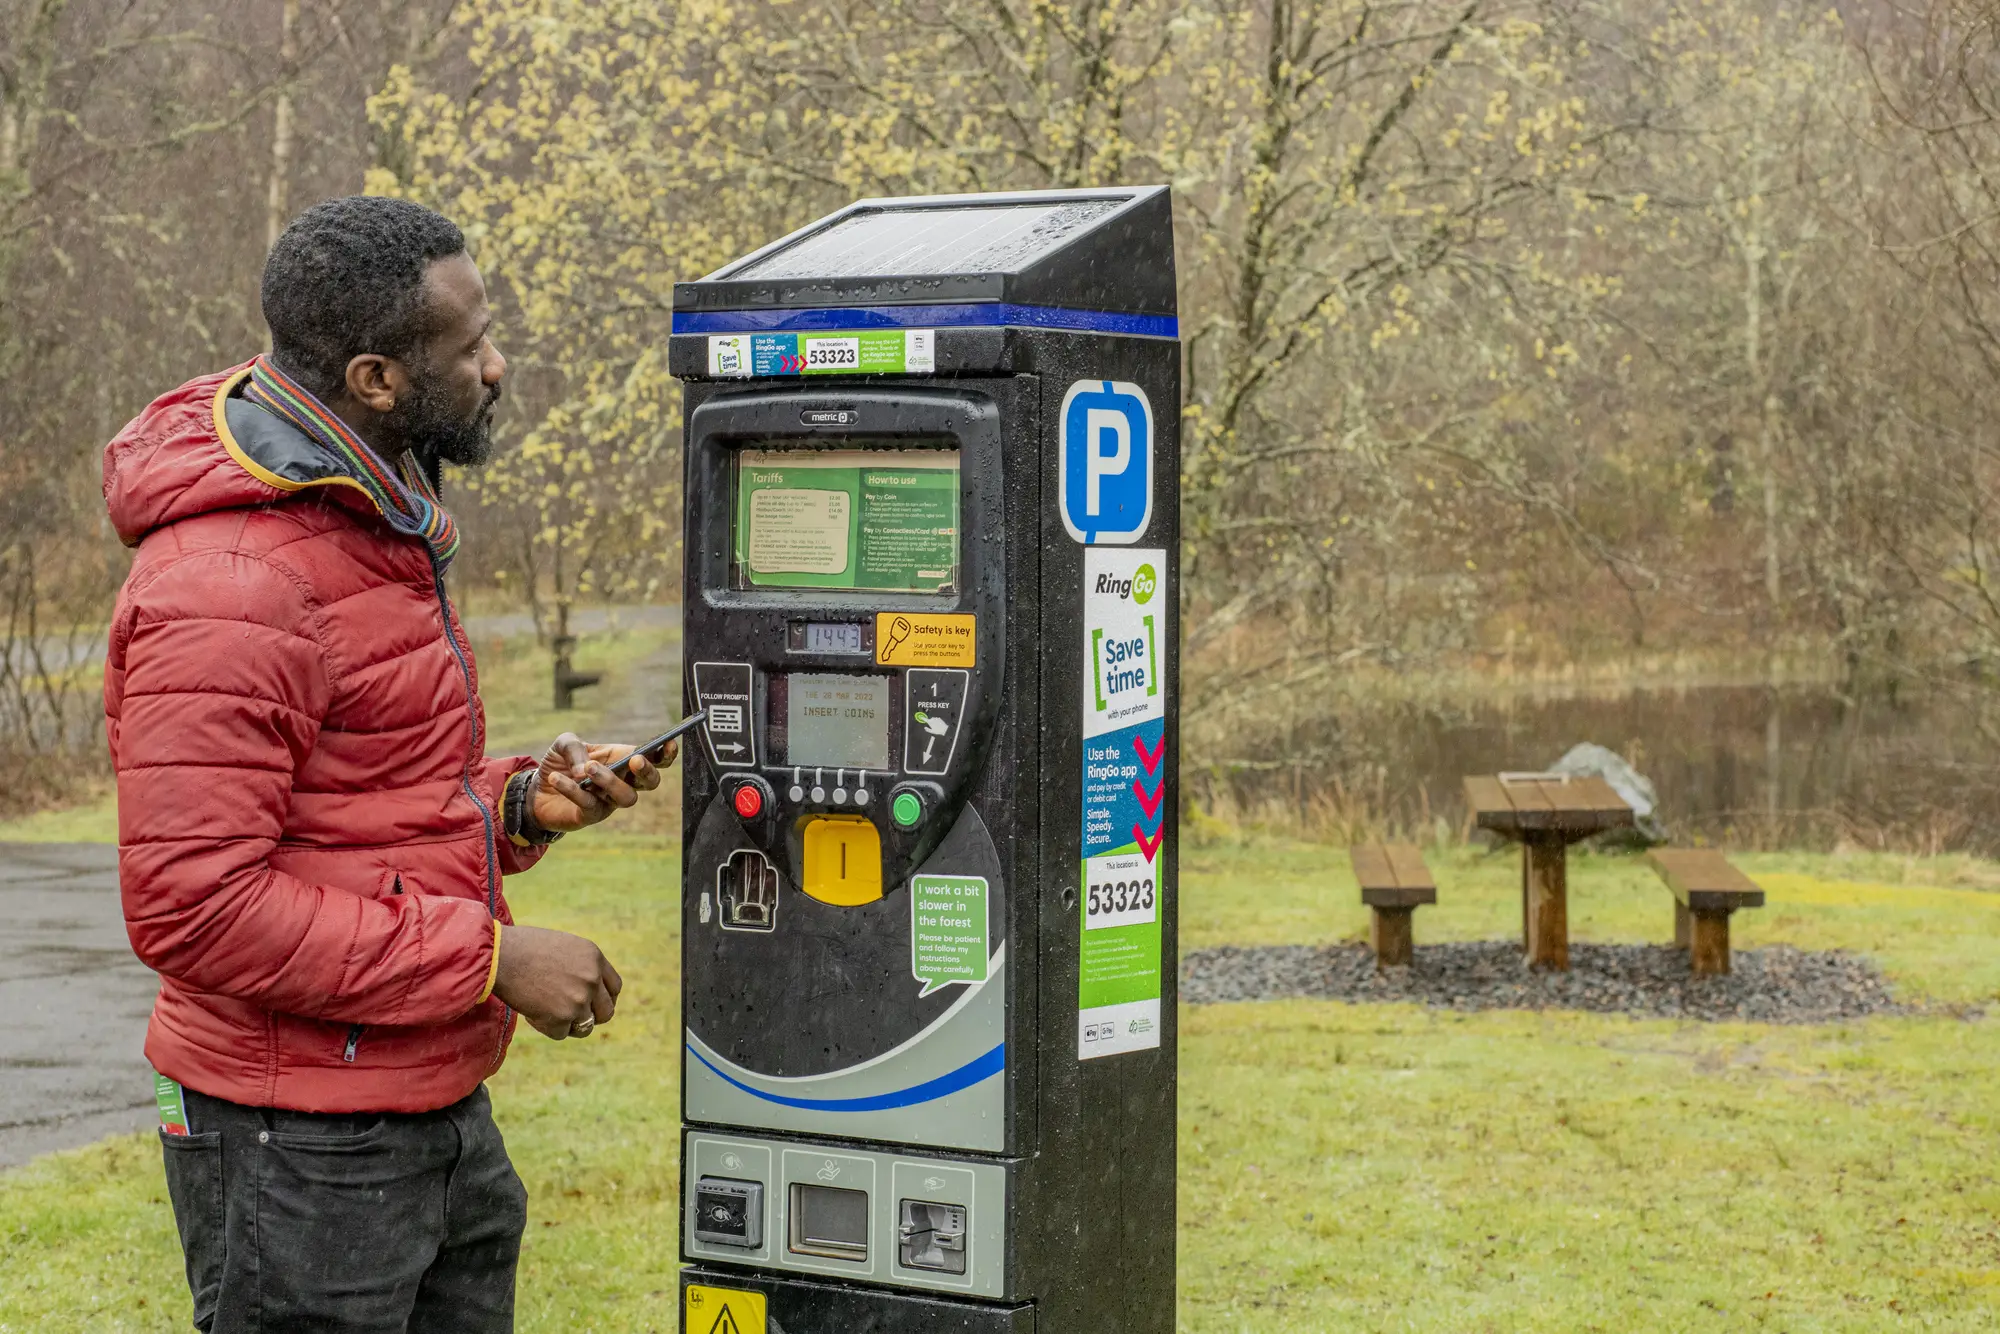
[[837, 722], [873, 520]]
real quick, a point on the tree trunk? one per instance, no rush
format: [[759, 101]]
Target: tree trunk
[[281, 127]]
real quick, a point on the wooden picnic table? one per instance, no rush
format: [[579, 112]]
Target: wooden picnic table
[[1547, 813]]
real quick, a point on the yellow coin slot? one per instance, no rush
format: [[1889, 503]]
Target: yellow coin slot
[[843, 861], [725, 1311]]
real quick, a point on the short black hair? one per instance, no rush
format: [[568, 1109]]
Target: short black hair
[[347, 277]]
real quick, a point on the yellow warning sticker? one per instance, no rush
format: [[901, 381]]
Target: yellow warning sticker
[[924, 639], [724, 1311]]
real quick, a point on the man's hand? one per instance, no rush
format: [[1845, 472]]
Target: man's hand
[[560, 983], [563, 804]]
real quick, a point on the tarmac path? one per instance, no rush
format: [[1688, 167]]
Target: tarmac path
[[73, 1002]]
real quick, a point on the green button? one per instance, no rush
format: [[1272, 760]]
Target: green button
[[908, 808]]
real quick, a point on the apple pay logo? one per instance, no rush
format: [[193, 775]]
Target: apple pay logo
[[1107, 462]]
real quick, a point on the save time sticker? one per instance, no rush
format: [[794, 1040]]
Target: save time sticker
[[843, 352]]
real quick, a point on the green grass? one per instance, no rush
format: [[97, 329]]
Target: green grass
[[95, 821], [1342, 1167], [1386, 1168]]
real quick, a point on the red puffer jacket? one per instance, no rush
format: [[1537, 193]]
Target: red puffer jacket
[[309, 831]]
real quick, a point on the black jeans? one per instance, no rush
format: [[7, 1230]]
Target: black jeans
[[364, 1224]]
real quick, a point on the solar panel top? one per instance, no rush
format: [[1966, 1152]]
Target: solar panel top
[[1105, 250], [930, 242]]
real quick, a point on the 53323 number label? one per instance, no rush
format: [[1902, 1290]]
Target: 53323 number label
[[1119, 891], [825, 354]]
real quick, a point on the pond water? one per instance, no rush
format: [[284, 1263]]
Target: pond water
[[1797, 766]]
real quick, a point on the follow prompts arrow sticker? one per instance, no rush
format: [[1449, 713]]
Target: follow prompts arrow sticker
[[1152, 761]]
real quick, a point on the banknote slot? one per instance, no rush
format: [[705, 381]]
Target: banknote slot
[[829, 1221]]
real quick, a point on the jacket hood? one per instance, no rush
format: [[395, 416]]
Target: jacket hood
[[200, 448]]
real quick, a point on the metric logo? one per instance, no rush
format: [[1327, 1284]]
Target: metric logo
[[1107, 462]]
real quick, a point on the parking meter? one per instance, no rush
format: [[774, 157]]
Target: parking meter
[[929, 898]]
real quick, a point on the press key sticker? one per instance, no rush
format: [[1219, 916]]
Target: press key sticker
[[725, 1311]]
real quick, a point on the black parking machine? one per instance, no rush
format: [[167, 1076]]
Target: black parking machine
[[929, 905]]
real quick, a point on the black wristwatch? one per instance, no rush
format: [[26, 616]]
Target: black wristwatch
[[518, 812]]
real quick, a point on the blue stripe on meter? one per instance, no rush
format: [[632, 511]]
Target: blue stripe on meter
[[983, 1067], [988, 314]]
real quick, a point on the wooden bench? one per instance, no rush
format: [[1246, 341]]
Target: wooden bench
[[1706, 890], [1394, 884]]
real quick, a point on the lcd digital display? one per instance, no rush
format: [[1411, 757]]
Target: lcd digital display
[[824, 638], [881, 520], [837, 722]]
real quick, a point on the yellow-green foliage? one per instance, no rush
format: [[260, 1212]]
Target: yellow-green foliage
[[1368, 1167], [1364, 195]]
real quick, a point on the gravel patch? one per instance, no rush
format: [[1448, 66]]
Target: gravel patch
[[1777, 985]]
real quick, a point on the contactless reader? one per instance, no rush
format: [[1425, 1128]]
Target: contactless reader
[[929, 899]]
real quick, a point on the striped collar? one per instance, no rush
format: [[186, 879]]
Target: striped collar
[[403, 495]]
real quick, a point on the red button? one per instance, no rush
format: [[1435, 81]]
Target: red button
[[749, 801]]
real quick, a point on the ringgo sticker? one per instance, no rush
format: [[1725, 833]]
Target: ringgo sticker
[[1124, 800]]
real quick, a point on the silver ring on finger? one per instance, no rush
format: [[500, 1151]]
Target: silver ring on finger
[[581, 1028]]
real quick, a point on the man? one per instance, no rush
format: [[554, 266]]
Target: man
[[311, 838]]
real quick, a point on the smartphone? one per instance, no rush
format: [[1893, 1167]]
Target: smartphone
[[653, 749]]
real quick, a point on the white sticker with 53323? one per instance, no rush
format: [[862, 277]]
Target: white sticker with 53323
[[826, 354], [1119, 891]]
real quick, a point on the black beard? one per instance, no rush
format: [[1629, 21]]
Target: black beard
[[425, 421]]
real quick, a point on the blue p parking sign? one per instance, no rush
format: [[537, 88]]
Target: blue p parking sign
[[1107, 462]]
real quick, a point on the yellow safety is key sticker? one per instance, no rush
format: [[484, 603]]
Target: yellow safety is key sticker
[[724, 1311], [924, 639]]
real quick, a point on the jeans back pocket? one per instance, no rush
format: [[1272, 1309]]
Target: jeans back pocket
[[194, 1184]]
